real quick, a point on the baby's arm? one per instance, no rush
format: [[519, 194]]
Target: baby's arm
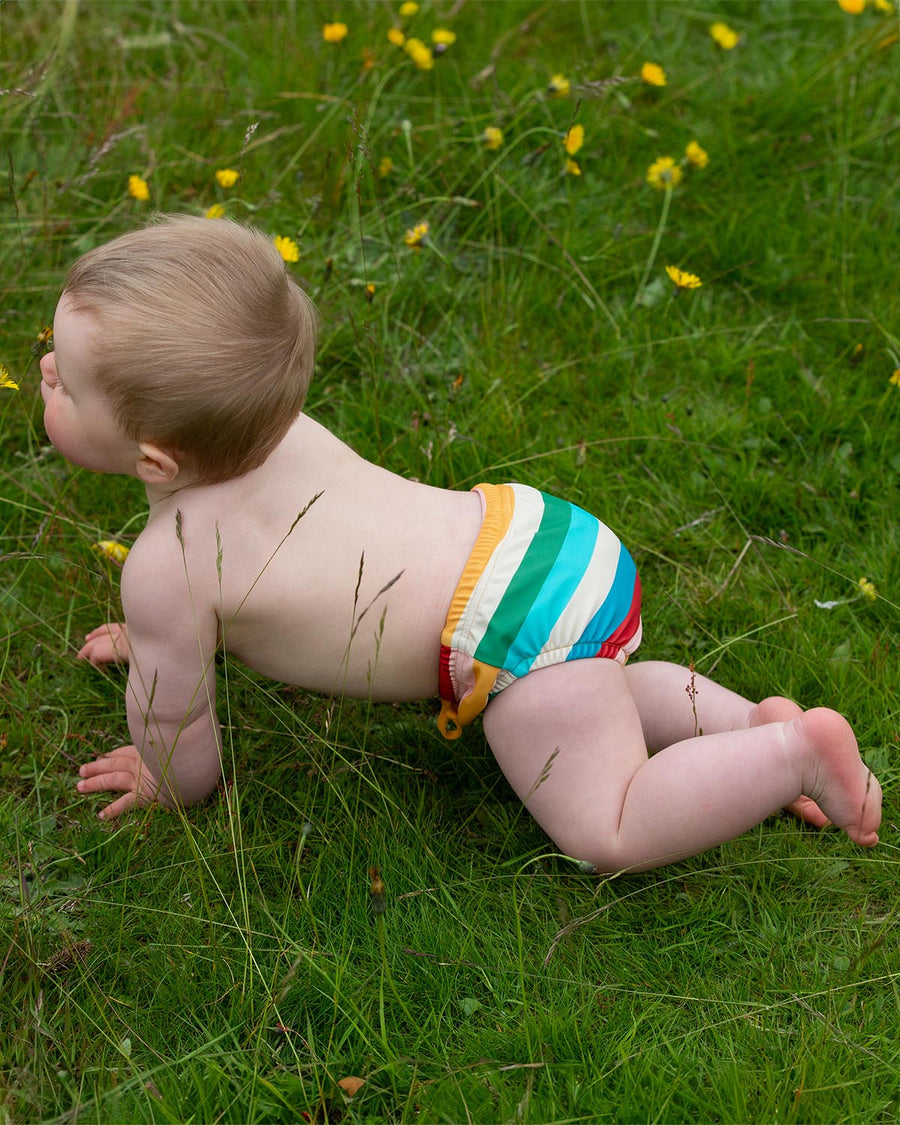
[[170, 699]]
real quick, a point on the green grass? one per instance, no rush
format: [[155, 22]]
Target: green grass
[[742, 438]]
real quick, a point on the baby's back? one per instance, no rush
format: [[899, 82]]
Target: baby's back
[[354, 597]]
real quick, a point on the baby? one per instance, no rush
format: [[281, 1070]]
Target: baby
[[182, 357]]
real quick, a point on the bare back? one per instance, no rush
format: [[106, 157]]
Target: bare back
[[352, 600]]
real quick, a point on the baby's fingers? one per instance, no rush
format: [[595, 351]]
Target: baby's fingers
[[123, 757], [118, 769], [103, 776], [96, 651], [112, 633], [105, 780], [101, 630], [106, 645], [117, 807]]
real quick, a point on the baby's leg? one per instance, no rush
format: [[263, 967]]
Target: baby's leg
[[675, 703], [570, 741]]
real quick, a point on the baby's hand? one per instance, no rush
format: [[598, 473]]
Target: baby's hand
[[107, 644], [119, 771]]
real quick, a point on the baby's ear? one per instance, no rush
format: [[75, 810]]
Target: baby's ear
[[156, 465]]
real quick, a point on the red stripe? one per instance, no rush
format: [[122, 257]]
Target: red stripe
[[445, 682], [616, 641]]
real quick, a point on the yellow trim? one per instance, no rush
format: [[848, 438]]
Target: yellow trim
[[471, 705], [499, 500], [447, 716], [477, 699], [499, 505]]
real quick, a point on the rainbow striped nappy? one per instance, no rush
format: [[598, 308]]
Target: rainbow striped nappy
[[546, 582]]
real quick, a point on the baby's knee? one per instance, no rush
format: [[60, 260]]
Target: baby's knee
[[593, 855], [606, 863]]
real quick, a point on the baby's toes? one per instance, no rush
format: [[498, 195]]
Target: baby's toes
[[775, 709], [808, 811]]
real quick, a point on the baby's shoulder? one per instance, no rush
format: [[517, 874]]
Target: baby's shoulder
[[157, 576], [158, 547]]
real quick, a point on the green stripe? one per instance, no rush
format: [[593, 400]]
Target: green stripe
[[526, 584]]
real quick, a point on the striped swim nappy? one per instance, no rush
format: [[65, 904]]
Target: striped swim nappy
[[545, 582]]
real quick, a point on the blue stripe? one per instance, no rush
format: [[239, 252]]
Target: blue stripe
[[556, 592], [524, 587], [614, 610]]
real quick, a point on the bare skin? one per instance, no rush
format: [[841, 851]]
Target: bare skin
[[351, 598], [571, 740]]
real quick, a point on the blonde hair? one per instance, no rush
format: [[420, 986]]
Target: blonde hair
[[204, 341]]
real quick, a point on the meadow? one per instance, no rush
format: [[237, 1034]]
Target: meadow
[[483, 200]]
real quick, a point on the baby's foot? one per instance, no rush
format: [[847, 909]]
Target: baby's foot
[[838, 779], [777, 709]]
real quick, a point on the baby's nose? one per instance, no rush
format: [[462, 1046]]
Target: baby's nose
[[48, 368]]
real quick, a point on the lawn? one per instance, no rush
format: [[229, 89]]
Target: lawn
[[485, 223]]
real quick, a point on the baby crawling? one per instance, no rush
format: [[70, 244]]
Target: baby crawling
[[183, 353]]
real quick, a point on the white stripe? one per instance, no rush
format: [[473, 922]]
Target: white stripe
[[500, 569], [503, 680]]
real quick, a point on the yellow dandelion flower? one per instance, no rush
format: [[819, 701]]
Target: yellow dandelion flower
[[895, 378], [443, 37], [492, 137], [574, 139], [696, 155], [138, 189], [572, 167], [370, 292], [663, 173], [884, 6], [853, 7], [420, 54], [334, 32], [287, 248], [415, 236], [6, 382], [867, 589], [116, 552], [682, 279], [227, 177], [385, 167], [408, 9], [724, 36], [43, 342], [559, 86], [214, 212], [396, 36], [653, 74]]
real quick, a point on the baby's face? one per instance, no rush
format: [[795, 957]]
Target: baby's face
[[77, 418]]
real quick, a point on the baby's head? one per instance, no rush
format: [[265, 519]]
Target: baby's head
[[205, 344]]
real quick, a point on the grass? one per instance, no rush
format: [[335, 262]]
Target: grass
[[227, 965]]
